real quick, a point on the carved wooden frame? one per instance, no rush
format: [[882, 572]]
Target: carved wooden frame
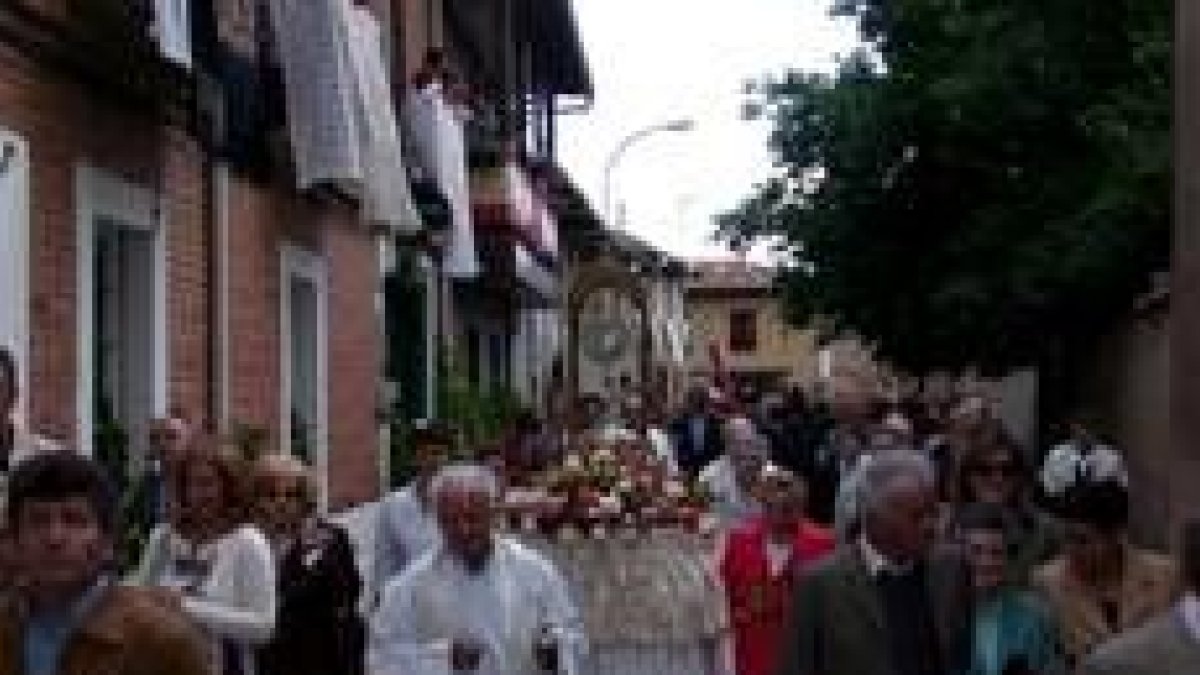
[[590, 278]]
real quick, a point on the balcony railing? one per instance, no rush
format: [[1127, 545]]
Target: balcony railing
[[488, 146], [106, 44]]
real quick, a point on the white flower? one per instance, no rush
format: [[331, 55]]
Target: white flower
[[1104, 463], [1067, 464]]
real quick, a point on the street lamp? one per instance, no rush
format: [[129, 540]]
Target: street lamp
[[619, 151]]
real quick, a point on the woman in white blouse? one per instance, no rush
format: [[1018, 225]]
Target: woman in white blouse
[[215, 566]]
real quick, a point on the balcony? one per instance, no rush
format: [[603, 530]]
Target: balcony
[[106, 44], [505, 202], [516, 232]]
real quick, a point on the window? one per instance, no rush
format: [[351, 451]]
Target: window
[[304, 385], [743, 330], [122, 312], [14, 252]]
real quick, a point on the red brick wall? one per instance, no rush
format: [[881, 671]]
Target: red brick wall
[[188, 298], [264, 219], [354, 357], [66, 128], [253, 278]]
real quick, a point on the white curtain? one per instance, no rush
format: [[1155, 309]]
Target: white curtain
[[15, 254], [387, 200], [439, 149], [313, 49]]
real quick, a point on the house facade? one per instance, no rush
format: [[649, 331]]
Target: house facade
[[173, 243], [737, 325], [482, 303]]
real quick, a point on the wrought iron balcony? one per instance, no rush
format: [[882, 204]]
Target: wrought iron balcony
[[116, 36], [106, 45]]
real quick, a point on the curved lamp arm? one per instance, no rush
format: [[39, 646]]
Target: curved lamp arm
[[618, 152]]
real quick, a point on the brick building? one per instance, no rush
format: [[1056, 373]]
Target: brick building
[[180, 232], [153, 261], [522, 63]]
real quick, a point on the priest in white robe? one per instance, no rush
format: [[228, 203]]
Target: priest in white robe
[[479, 603]]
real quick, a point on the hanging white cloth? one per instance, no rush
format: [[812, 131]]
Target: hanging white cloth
[[387, 200], [439, 148], [421, 125], [172, 30], [462, 262], [548, 227], [313, 49]]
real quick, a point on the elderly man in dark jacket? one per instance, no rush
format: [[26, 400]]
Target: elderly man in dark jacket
[[881, 605]]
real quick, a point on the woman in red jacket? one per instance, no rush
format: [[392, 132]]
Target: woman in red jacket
[[760, 565]]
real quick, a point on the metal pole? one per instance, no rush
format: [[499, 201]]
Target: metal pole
[[619, 151]]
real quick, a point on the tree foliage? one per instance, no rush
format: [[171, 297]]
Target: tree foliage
[[982, 181]]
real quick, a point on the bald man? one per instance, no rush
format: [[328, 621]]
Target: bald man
[[479, 602]]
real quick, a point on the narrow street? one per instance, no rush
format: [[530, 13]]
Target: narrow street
[[582, 337]]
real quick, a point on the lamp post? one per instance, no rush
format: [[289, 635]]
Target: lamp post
[[618, 152]]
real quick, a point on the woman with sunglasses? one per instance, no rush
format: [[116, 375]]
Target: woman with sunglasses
[[319, 630], [992, 471]]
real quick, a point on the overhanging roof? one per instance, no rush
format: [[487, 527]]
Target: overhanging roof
[[558, 65], [559, 62]]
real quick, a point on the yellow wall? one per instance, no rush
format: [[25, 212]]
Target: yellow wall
[[780, 347]]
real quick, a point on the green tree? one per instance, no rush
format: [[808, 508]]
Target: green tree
[[985, 183]]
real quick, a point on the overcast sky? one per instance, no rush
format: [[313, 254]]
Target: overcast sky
[[659, 60]]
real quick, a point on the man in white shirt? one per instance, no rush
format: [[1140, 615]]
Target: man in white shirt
[[406, 526], [478, 603], [1169, 645]]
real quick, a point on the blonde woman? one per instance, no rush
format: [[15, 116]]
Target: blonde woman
[[319, 631], [210, 562]]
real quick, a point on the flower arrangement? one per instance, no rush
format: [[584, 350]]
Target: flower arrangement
[[1070, 463], [612, 484]]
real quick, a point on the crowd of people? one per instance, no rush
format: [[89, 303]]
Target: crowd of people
[[923, 539], [863, 538]]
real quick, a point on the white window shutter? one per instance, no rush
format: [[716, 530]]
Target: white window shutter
[[15, 253], [173, 30]]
